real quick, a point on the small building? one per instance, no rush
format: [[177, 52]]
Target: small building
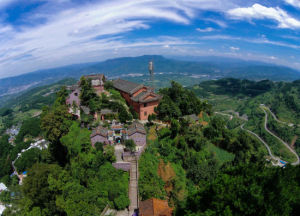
[[154, 207], [100, 134], [137, 133], [97, 81], [74, 96], [142, 98]]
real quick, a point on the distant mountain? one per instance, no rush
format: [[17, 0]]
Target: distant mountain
[[219, 68]]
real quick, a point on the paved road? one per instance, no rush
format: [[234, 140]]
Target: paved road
[[276, 119], [225, 114], [287, 145], [268, 148]]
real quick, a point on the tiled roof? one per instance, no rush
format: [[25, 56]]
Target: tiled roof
[[142, 97], [100, 131], [154, 207], [95, 76], [127, 86], [136, 127]]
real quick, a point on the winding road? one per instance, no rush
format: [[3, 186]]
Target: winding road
[[276, 119], [262, 106], [258, 137], [270, 132]]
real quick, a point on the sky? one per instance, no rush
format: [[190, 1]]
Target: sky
[[39, 34]]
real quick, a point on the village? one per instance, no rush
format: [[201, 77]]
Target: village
[[129, 138], [120, 123]]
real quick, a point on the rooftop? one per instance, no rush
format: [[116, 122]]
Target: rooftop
[[146, 96], [95, 76], [136, 127], [100, 131], [127, 86]]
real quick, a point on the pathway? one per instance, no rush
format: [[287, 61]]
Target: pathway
[[133, 187]]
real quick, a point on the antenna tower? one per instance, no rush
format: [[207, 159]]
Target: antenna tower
[[151, 72]]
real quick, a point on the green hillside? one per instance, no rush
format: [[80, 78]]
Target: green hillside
[[232, 96]]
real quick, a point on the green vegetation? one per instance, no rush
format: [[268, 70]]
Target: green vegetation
[[207, 168], [130, 145], [178, 102], [29, 104], [245, 97], [71, 177]]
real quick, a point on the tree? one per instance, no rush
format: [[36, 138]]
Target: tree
[[88, 96], [36, 188], [124, 116], [151, 118], [130, 145], [27, 159], [55, 123], [175, 127]]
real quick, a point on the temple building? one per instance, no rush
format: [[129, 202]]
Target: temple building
[[97, 81], [137, 133], [142, 98]]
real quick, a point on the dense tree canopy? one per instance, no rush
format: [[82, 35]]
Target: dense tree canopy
[[178, 101]]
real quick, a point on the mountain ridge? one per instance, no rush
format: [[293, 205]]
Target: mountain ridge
[[130, 65]]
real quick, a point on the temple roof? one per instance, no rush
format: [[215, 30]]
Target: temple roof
[[95, 76], [127, 86], [136, 127], [100, 131], [146, 96]]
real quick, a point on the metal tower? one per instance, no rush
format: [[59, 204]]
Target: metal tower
[[151, 72]]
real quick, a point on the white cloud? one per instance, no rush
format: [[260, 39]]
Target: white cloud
[[218, 22], [234, 48], [4, 3], [258, 11], [295, 3], [273, 58], [208, 29], [262, 40]]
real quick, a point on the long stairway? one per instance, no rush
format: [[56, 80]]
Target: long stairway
[[133, 187]]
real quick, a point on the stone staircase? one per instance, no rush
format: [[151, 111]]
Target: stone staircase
[[133, 187]]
